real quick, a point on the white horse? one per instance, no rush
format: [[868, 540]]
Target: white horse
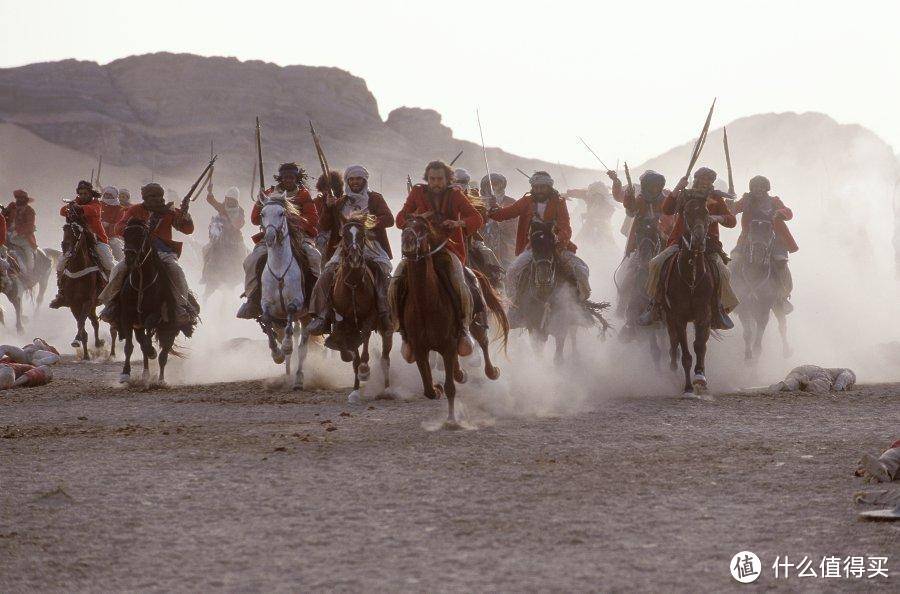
[[282, 289]]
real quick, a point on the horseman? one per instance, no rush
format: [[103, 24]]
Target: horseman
[[645, 204], [673, 204], [162, 218], [110, 214], [355, 197], [481, 256], [450, 211], [595, 221], [229, 213], [20, 228], [290, 182], [503, 243], [323, 239], [89, 208], [759, 205], [543, 203]]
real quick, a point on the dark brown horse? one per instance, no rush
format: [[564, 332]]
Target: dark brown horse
[[354, 297], [430, 317], [82, 281], [146, 305], [689, 286]]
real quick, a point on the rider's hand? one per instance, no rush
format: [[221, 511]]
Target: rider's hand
[[778, 215], [717, 219], [682, 184], [450, 224], [613, 176]]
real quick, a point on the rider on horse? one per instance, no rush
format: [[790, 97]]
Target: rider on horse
[[482, 257], [86, 205], [323, 239], [673, 204], [109, 215], [229, 212], [20, 227], [290, 180], [758, 205], [162, 218], [355, 198], [543, 203], [448, 209], [503, 243], [595, 221]]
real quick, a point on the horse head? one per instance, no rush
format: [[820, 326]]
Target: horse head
[[274, 219], [760, 241], [418, 237], [136, 237], [696, 223], [647, 239], [353, 239], [542, 238]]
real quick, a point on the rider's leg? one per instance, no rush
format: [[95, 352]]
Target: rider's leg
[[727, 300], [313, 255], [118, 248], [375, 253], [579, 271], [513, 275], [457, 276], [251, 309], [394, 289], [26, 250], [185, 310], [319, 301], [785, 284], [59, 301], [654, 271], [116, 280], [105, 257]]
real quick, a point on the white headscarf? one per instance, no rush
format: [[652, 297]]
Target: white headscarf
[[110, 196], [357, 200]]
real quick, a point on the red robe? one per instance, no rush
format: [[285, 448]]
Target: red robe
[[377, 208], [778, 224], [714, 204], [22, 220], [110, 215], [452, 205], [2, 230], [172, 219], [639, 207], [308, 221], [524, 209], [92, 216]]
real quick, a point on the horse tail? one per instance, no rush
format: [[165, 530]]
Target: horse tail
[[495, 304]]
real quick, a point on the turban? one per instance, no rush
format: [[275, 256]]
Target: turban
[[650, 177], [705, 172], [86, 185], [152, 190], [761, 182], [233, 192], [461, 176], [356, 171], [110, 195], [498, 182], [541, 177], [598, 188], [123, 192], [21, 194]]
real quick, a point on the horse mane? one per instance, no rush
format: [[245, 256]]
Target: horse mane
[[368, 221], [289, 207]]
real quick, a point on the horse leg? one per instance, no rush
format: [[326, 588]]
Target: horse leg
[[17, 305], [432, 390], [129, 348], [287, 344], [747, 327], [387, 342], [302, 350], [364, 360], [145, 341], [353, 398], [782, 329], [701, 336], [655, 351], [113, 336], [673, 343], [95, 322], [451, 361], [560, 347], [686, 358], [481, 336], [165, 346], [762, 321], [82, 336]]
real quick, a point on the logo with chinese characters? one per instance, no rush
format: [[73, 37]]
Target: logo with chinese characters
[[745, 567]]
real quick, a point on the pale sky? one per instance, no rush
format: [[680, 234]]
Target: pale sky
[[634, 78]]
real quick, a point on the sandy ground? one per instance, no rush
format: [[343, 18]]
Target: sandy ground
[[247, 486]]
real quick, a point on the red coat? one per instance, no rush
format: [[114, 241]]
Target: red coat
[[308, 221], [639, 207], [92, 216], [524, 209], [2, 230], [452, 205], [110, 215], [22, 220], [172, 219], [714, 204], [377, 208], [778, 224]]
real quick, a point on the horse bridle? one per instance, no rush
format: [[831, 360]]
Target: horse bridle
[[420, 239], [550, 261], [143, 253]]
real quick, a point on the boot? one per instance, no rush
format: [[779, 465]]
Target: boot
[[652, 315], [721, 320], [318, 326], [250, 309], [58, 302], [109, 313]]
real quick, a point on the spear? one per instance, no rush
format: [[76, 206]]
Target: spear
[[593, 153], [262, 181], [456, 158], [487, 168], [728, 161], [701, 140]]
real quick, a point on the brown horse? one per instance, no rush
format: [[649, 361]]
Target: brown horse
[[355, 298], [430, 317], [82, 281], [689, 289]]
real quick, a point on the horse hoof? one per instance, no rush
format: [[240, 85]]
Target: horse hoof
[[100, 343], [460, 376], [278, 357], [124, 378], [493, 373], [699, 384], [297, 386], [438, 392], [452, 425], [364, 373], [354, 397], [75, 344]]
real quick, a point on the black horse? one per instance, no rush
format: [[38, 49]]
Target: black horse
[[756, 284], [146, 304]]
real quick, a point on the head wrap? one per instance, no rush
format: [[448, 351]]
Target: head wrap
[[233, 192], [296, 169], [498, 182], [152, 190], [598, 188], [21, 194], [541, 177], [357, 200], [461, 176], [110, 196], [705, 172], [356, 171], [86, 185], [650, 176], [124, 195], [761, 182]]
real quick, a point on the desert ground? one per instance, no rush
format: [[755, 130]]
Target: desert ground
[[246, 485]]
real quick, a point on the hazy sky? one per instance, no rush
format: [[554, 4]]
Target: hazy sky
[[634, 78]]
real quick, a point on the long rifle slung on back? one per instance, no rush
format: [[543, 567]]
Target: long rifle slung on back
[[323, 162], [701, 140], [456, 158], [207, 183], [99, 168], [493, 200], [262, 178], [186, 201]]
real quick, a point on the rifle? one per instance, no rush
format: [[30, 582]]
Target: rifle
[[409, 184], [492, 203], [323, 163], [253, 179], [99, 167], [701, 140], [262, 181], [186, 201], [456, 158], [523, 173], [628, 178], [208, 182], [593, 153], [728, 161], [92, 176]]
